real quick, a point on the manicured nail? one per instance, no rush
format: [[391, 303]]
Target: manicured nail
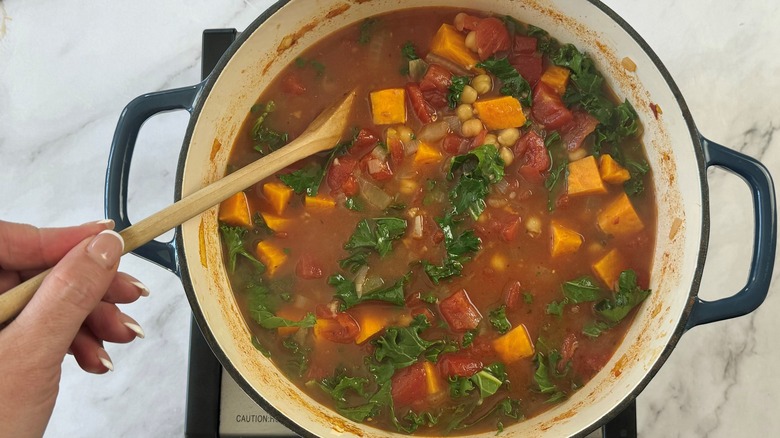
[[142, 287], [108, 223], [106, 248], [105, 359], [132, 325]]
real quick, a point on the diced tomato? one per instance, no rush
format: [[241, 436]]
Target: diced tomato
[[530, 67], [568, 348], [365, 142], [396, 148], [454, 144], [436, 98], [292, 84], [562, 202], [470, 22], [491, 37], [308, 268], [342, 328], [377, 167], [513, 295], [574, 132], [424, 111], [548, 108], [510, 228], [437, 77], [458, 365], [478, 139], [423, 311], [409, 385], [535, 160], [459, 312], [524, 45], [326, 311], [585, 367], [340, 177]]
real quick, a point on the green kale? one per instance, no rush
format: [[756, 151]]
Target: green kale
[[234, 241], [266, 139], [367, 28], [478, 170], [499, 320], [347, 292], [528, 297], [581, 290], [637, 170], [512, 83], [468, 338], [298, 363], [353, 204], [354, 261], [409, 52], [261, 311], [544, 381], [338, 385], [628, 296], [305, 180], [556, 307], [456, 89], [377, 234], [402, 346], [458, 248], [596, 328], [545, 43]]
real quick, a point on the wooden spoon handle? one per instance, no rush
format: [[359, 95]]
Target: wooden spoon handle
[[323, 133]]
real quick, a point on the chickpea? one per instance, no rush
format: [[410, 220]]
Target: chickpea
[[506, 155], [482, 83], [508, 137], [533, 226], [471, 127], [471, 41], [469, 95], [405, 133], [464, 112], [490, 139], [460, 21]]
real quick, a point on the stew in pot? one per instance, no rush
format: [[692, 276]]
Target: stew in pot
[[472, 252]]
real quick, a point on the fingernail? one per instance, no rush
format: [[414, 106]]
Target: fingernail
[[132, 325], [106, 248], [142, 287], [108, 223], [105, 359]]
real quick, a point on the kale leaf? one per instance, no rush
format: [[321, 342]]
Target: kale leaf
[[628, 295], [376, 234], [261, 311], [456, 89], [409, 52], [458, 248], [347, 292], [266, 139], [581, 290], [478, 170], [512, 84], [306, 179], [234, 240], [499, 320]]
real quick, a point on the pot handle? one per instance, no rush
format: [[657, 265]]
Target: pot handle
[[133, 116], [760, 183]]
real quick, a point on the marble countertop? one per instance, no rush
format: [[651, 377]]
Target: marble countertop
[[67, 68]]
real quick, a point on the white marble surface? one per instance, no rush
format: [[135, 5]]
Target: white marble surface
[[67, 68]]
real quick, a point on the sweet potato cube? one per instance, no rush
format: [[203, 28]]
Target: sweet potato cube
[[619, 218], [609, 267], [564, 240], [451, 44], [370, 324], [388, 106], [426, 154], [557, 78], [433, 381], [611, 171], [583, 177], [514, 345], [235, 211], [319, 202], [275, 223], [278, 195], [500, 112], [272, 256], [293, 313]]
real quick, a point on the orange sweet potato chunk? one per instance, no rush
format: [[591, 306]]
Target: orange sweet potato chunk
[[584, 178], [609, 267], [500, 112], [514, 345], [619, 218], [611, 171], [235, 211], [278, 195], [564, 240], [272, 256], [557, 78], [388, 106], [451, 44]]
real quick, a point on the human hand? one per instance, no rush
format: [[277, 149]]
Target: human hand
[[74, 311]]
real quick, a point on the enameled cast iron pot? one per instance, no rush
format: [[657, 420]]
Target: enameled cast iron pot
[[678, 154]]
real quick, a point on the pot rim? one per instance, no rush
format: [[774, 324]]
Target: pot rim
[[210, 81]]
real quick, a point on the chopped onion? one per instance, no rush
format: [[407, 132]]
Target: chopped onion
[[380, 153], [411, 147], [417, 227], [374, 195], [360, 279], [373, 283], [374, 166], [433, 132], [502, 186], [454, 123], [417, 69], [449, 65]]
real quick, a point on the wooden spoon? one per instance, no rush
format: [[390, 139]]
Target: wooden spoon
[[323, 134]]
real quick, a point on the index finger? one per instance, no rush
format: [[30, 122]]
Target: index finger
[[24, 246]]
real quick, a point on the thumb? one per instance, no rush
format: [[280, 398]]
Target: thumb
[[71, 291]]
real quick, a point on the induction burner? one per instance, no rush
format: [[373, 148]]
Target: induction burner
[[217, 406]]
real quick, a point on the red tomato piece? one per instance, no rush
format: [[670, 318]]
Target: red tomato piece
[[535, 161], [513, 295], [524, 45], [548, 108], [510, 228], [458, 365], [408, 385], [292, 84], [424, 111], [581, 126], [478, 139], [568, 348], [342, 328], [470, 22], [437, 77], [350, 186], [378, 168], [454, 144], [491, 37], [308, 268], [436, 98], [396, 148], [459, 312], [364, 143], [530, 67], [340, 173]]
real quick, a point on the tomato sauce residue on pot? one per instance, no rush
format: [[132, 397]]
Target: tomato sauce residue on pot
[[475, 249]]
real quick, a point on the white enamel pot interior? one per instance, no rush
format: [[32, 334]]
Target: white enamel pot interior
[[672, 145]]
